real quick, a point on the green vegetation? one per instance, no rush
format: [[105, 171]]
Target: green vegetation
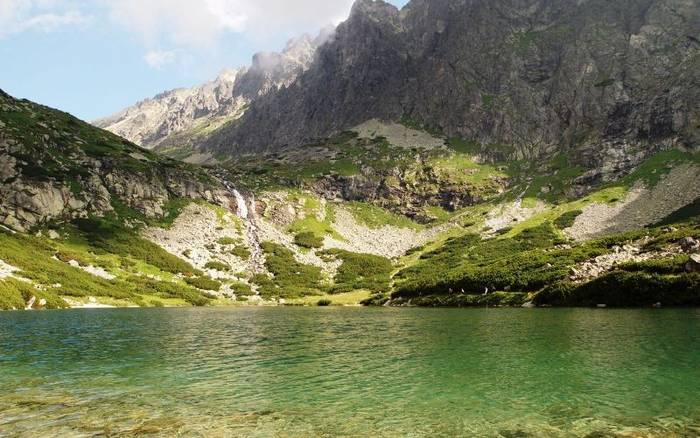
[[533, 264], [204, 283], [217, 266], [360, 271], [567, 219], [550, 185], [308, 240], [54, 146], [377, 217], [14, 294], [240, 251], [105, 236], [626, 289], [290, 278], [224, 241], [311, 207], [652, 170], [463, 169], [102, 243], [463, 146], [167, 289], [241, 289]]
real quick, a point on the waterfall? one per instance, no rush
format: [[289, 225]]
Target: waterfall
[[246, 211], [242, 205]]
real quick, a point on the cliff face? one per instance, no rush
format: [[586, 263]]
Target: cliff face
[[606, 82], [55, 167], [153, 121]]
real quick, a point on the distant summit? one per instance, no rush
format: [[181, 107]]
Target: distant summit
[[191, 111]]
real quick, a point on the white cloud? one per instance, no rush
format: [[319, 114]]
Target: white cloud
[[193, 26], [51, 22], [158, 59], [18, 16], [200, 23]]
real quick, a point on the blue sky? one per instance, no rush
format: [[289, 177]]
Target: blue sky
[[94, 57]]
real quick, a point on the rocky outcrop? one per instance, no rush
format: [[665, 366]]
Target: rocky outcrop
[[606, 82], [153, 121], [54, 167]]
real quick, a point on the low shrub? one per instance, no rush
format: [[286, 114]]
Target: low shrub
[[290, 279], [109, 237], [217, 266], [241, 289], [166, 289], [625, 289], [204, 283], [308, 240], [240, 251], [227, 241], [15, 294], [361, 271], [68, 256], [567, 219]]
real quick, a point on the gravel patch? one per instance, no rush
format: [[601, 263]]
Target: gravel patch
[[386, 241], [398, 135], [194, 237], [641, 206]]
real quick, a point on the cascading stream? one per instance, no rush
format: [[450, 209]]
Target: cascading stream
[[246, 211]]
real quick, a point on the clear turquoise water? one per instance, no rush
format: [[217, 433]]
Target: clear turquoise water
[[350, 372]]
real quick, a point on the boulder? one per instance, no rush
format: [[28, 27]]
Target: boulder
[[689, 244], [693, 264]]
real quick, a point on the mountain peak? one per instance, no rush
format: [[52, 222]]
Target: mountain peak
[[376, 10]]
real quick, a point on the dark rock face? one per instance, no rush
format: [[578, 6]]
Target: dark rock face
[[592, 78]]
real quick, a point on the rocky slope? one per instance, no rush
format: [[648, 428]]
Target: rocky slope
[[56, 167], [609, 83], [195, 111]]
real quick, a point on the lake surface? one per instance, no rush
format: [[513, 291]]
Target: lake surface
[[350, 372]]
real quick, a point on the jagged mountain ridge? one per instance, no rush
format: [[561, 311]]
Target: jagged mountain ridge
[[152, 121], [608, 82]]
